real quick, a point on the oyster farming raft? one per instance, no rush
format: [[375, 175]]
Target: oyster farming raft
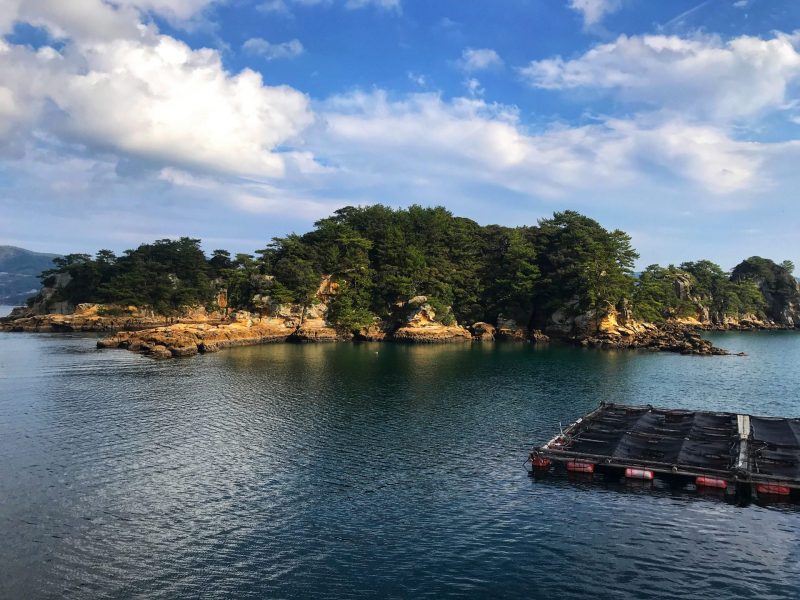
[[742, 454]]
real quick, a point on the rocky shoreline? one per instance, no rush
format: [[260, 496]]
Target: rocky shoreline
[[99, 318], [188, 340], [196, 331]]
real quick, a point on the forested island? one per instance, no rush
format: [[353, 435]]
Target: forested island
[[416, 274]]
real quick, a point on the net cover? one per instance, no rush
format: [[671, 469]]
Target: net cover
[[776, 446], [649, 435]]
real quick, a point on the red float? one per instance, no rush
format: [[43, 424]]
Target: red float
[[773, 490], [631, 473], [711, 482], [540, 462], [580, 467]]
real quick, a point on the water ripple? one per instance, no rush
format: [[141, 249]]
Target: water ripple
[[356, 471]]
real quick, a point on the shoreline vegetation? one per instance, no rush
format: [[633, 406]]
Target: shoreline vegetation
[[416, 275]]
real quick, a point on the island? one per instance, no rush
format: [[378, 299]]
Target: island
[[417, 275]]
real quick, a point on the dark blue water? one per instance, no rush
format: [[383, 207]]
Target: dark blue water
[[305, 471]]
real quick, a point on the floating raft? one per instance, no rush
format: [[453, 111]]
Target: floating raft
[[738, 453]]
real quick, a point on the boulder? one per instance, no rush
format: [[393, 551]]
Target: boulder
[[508, 329], [482, 331], [373, 333], [537, 337]]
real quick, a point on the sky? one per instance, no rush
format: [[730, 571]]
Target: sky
[[234, 121]]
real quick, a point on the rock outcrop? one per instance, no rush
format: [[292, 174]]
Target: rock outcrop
[[665, 338], [482, 331], [421, 326], [509, 329], [377, 332], [311, 323], [190, 339], [617, 329], [780, 289], [538, 337], [100, 318]]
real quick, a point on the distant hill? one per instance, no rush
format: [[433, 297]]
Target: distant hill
[[19, 273]]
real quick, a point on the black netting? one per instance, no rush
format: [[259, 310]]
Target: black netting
[[782, 463], [702, 440], [692, 440], [776, 446], [776, 432]]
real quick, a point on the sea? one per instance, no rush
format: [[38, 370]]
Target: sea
[[367, 470]]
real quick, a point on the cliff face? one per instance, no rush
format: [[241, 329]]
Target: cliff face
[[190, 339], [421, 326]]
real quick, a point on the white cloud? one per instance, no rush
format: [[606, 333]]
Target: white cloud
[[145, 96], [84, 19], [282, 7], [384, 4], [424, 138], [174, 9], [594, 11], [274, 6], [703, 76], [96, 19], [479, 59], [473, 86], [270, 51], [416, 78]]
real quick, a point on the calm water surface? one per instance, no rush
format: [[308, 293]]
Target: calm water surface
[[306, 471]]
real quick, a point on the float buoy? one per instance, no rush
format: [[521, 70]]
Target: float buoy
[[631, 473], [773, 490], [580, 467], [711, 482]]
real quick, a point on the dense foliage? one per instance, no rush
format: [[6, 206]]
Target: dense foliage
[[670, 292], [380, 258], [165, 275]]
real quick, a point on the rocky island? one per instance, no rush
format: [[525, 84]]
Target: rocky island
[[419, 275]]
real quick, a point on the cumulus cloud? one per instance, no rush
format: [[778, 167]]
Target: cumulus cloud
[[423, 137], [144, 95], [270, 51], [703, 76], [479, 59], [96, 19], [594, 11]]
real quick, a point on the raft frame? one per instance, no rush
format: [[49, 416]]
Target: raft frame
[[742, 474]]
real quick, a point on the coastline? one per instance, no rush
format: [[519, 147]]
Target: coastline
[[196, 331]]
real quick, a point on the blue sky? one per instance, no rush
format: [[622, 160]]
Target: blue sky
[[235, 121]]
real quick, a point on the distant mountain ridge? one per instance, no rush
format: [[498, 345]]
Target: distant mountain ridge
[[19, 273]]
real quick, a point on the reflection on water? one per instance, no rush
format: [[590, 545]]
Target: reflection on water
[[364, 470]]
